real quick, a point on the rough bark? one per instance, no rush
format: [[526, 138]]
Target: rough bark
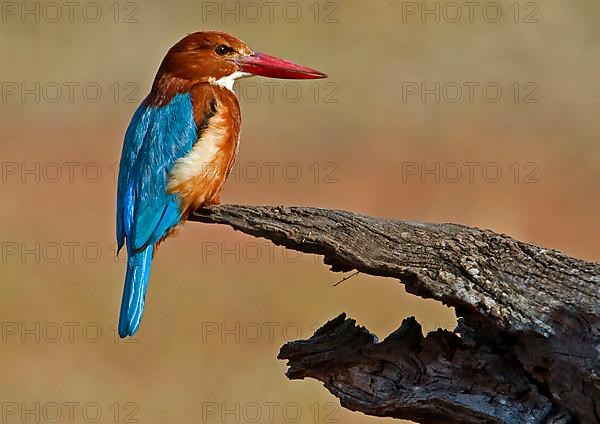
[[527, 347]]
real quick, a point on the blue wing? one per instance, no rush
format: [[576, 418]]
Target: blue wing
[[156, 137]]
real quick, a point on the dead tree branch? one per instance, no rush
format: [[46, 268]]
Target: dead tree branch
[[527, 347]]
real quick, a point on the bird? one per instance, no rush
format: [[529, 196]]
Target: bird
[[180, 146]]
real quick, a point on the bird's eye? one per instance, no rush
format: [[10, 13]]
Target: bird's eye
[[222, 50]]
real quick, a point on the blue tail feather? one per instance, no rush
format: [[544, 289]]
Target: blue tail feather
[[134, 292]]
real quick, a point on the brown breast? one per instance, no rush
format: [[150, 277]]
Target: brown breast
[[199, 177]]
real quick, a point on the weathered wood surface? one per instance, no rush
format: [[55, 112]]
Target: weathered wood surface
[[527, 347]]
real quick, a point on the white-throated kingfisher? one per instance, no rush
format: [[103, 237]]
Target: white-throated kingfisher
[[180, 146]]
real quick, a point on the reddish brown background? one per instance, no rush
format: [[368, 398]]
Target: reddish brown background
[[210, 279]]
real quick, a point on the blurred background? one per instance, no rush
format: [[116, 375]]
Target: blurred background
[[483, 115]]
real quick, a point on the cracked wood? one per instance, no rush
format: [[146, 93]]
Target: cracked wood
[[527, 347]]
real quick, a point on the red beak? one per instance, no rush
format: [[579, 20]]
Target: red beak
[[273, 67]]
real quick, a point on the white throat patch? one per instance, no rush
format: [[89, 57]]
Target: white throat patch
[[229, 80]]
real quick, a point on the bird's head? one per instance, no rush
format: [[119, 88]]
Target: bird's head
[[219, 57]]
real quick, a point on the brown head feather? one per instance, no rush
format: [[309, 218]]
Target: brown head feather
[[194, 59]]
